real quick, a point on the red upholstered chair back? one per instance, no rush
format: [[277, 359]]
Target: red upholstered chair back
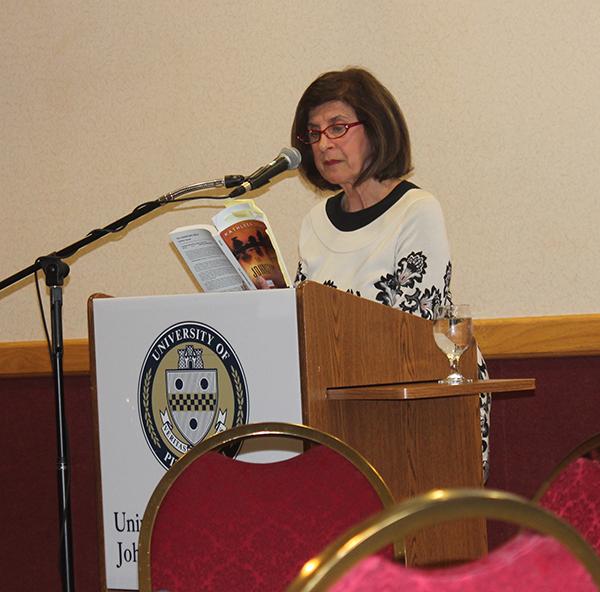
[[555, 561], [506, 568], [573, 490], [215, 523]]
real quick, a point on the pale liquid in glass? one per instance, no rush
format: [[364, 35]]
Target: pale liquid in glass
[[453, 336]]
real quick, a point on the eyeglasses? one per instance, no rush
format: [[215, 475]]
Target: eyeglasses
[[333, 131]]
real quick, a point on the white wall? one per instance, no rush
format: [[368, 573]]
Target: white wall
[[107, 104]]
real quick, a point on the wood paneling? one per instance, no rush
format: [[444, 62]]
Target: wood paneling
[[552, 336], [539, 337], [416, 445], [31, 358]]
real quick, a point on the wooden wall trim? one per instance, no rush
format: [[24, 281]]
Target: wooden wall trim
[[523, 337], [533, 337], [31, 358]]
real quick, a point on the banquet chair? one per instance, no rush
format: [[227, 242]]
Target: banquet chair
[[217, 523], [553, 559], [572, 491]]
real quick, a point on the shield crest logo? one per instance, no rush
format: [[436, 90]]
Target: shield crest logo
[[192, 397], [191, 386]]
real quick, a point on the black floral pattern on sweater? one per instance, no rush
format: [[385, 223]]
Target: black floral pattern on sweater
[[402, 289], [300, 275]]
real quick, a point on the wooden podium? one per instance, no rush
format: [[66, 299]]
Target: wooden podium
[[369, 376], [362, 371]]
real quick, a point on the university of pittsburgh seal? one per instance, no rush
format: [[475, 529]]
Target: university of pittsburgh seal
[[191, 386]]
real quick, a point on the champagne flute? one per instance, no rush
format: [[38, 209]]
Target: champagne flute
[[453, 334]]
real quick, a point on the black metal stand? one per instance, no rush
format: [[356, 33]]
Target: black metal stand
[[56, 271]]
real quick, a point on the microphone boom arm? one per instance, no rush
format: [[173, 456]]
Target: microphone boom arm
[[92, 236], [123, 222]]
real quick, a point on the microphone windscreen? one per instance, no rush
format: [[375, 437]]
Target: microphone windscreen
[[293, 156]]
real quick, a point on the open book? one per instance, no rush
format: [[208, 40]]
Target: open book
[[238, 253]]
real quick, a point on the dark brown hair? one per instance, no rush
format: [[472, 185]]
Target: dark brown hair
[[375, 106]]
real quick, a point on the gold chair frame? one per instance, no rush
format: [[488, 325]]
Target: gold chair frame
[[234, 436], [584, 448], [398, 522]]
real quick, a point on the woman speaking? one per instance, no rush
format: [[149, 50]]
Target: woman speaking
[[379, 236]]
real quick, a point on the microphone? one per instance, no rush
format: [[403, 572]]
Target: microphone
[[288, 158]]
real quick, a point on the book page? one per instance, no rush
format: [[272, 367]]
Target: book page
[[209, 265]]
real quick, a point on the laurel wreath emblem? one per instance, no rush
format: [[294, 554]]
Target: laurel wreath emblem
[[239, 397], [146, 402]]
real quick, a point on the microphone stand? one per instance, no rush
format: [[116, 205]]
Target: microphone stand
[[55, 271]]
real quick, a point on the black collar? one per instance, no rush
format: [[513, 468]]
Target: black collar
[[348, 221]]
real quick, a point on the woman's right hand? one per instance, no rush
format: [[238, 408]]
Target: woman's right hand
[[263, 284]]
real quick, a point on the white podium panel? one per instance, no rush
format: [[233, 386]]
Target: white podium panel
[[172, 370]]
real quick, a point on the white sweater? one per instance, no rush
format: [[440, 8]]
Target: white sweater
[[395, 252]]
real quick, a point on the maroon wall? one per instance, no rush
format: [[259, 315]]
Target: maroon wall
[[532, 432], [29, 545]]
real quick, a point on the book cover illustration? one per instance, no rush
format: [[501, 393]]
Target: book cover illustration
[[251, 245]]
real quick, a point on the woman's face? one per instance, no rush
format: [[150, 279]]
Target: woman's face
[[340, 161]]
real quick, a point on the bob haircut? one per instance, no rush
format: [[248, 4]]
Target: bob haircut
[[375, 106]]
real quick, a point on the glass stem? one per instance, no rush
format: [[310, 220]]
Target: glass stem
[[454, 364]]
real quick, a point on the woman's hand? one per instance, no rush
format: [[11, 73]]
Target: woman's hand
[[263, 284]]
